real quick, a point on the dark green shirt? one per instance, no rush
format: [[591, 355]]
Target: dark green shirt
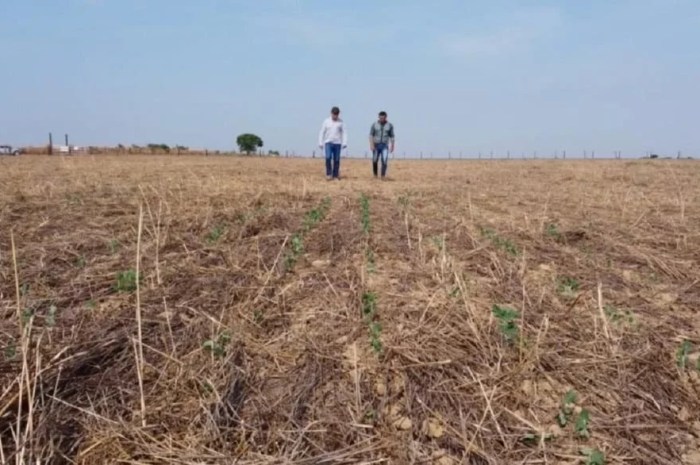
[[382, 133]]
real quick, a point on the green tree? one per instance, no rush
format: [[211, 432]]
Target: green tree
[[249, 143]]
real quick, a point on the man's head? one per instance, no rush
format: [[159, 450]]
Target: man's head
[[335, 112], [382, 117]]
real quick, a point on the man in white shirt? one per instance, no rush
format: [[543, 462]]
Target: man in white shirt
[[332, 138]]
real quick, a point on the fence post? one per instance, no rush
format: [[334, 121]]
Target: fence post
[[50, 144]]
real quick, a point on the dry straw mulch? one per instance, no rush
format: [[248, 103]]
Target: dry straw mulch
[[483, 313]]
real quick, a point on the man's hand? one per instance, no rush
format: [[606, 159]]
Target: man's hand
[[320, 146], [344, 147], [391, 149]]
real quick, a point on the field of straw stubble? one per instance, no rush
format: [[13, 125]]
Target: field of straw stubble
[[227, 310]]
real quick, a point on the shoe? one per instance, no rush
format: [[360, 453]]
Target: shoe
[[328, 178]]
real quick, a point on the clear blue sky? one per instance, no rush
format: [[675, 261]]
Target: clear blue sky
[[454, 75]]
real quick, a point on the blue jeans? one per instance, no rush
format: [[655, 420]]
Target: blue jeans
[[380, 151], [332, 159]]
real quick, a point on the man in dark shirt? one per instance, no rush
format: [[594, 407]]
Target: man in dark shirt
[[381, 142]]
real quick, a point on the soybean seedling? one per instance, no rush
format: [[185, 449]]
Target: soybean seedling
[[567, 408], [507, 322]]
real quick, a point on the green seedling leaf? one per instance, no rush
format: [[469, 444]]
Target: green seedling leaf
[[553, 231], [369, 304], [593, 456], [27, 316], [113, 246], [126, 281], [215, 234], [682, 354], [209, 345], [507, 319], [568, 287], [224, 339], [582, 424], [571, 397]]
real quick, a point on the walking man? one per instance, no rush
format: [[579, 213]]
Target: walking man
[[332, 138], [381, 142]]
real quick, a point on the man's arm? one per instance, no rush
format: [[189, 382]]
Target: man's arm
[[345, 136], [322, 134], [392, 138], [371, 137]]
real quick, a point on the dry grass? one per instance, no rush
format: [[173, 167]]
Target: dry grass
[[217, 348]]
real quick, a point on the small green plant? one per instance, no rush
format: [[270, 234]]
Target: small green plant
[[567, 408], [217, 346], [27, 315], [682, 354], [126, 281], [593, 456], [455, 292], [80, 262], [553, 231], [316, 215], [581, 425], [371, 264], [404, 201], [365, 215], [618, 316], [369, 312], [439, 242], [507, 319], [369, 305], [568, 287], [375, 332], [113, 246], [500, 243], [311, 219], [91, 304], [51, 317], [215, 234], [296, 248], [297, 245], [258, 316]]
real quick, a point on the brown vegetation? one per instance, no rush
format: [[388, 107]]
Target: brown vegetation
[[448, 321]]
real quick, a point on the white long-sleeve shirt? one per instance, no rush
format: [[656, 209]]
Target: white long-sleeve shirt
[[333, 132]]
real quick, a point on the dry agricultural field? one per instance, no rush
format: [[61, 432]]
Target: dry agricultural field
[[216, 310]]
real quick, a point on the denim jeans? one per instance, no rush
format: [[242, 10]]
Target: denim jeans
[[333, 159], [380, 151]]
